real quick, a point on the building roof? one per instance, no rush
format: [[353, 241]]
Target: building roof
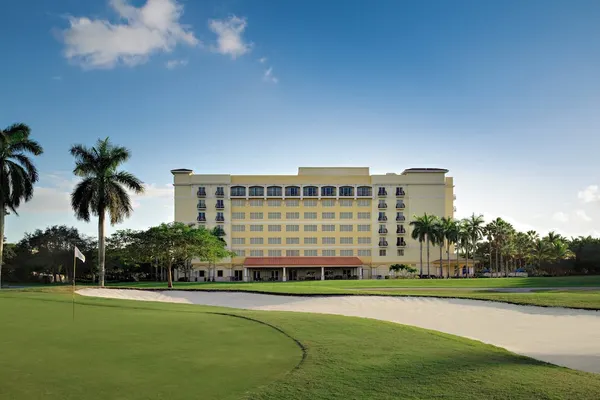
[[302, 261], [181, 170], [425, 170]]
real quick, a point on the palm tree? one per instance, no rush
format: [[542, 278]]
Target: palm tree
[[17, 173], [103, 188], [463, 240], [450, 230], [475, 228], [540, 252], [422, 231], [438, 237]]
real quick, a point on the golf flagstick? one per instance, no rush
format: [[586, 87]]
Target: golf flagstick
[[73, 291]]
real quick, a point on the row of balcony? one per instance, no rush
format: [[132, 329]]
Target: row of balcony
[[295, 191], [399, 230], [400, 243], [399, 205], [219, 206], [399, 218], [202, 217]]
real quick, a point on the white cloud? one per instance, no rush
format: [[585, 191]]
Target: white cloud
[[152, 191], [262, 60], [560, 216], [229, 36], [153, 27], [581, 214], [589, 194], [172, 64], [57, 78], [268, 76]]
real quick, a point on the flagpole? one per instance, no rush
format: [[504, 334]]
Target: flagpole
[[73, 291]]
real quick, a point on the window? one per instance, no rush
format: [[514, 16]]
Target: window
[[310, 203], [363, 191], [256, 253], [256, 228], [292, 228], [364, 240], [328, 215], [382, 228], [238, 191], [328, 191], [382, 252], [238, 253], [310, 253], [310, 240], [364, 228], [274, 215], [219, 273], [274, 191], [238, 203], [238, 228], [364, 215], [292, 240], [274, 240], [364, 253], [364, 203], [220, 191], [238, 241], [201, 204], [345, 228], [256, 203], [201, 216], [328, 228], [382, 216], [310, 228], [346, 191], [400, 252], [238, 215], [274, 253], [201, 191], [400, 216], [346, 203], [346, 240], [292, 203], [292, 215], [256, 240], [256, 215], [328, 240], [274, 228], [310, 215], [292, 253], [346, 215], [220, 216], [274, 203], [311, 191], [346, 253], [292, 191], [257, 191], [381, 191], [382, 204], [328, 253], [328, 203]]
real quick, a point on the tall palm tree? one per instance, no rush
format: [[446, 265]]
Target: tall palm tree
[[438, 238], [474, 227], [103, 189], [540, 252], [488, 231], [450, 230], [422, 231], [17, 173]]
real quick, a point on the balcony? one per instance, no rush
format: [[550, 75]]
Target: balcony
[[382, 205], [383, 243], [220, 193], [220, 219], [201, 219], [219, 232], [383, 231], [382, 218], [400, 205], [400, 218], [201, 206], [382, 193], [400, 231], [400, 192], [220, 206], [401, 243], [201, 193]]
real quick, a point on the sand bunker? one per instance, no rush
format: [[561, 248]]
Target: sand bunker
[[570, 338]]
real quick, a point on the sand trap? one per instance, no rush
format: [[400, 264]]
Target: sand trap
[[570, 338]]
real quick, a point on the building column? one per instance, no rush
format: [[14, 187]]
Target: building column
[[322, 273], [245, 275], [284, 278]]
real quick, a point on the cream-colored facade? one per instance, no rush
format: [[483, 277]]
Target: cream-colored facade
[[321, 212]]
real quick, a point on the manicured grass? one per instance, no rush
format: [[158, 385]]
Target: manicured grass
[[129, 350]]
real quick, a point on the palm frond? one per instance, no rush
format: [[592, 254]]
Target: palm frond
[[118, 202], [84, 199], [130, 181]]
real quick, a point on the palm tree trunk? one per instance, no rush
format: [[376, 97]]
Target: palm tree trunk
[[491, 269], [421, 258], [457, 257], [497, 266], [467, 257], [101, 248], [427, 238], [1, 241], [448, 256], [441, 260], [169, 274]]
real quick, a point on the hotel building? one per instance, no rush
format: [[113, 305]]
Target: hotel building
[[323, 223]]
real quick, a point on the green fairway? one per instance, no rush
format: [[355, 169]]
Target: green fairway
[[137, 350], [478, 289]]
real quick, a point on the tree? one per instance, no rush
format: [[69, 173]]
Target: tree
[[450, 229], [17, 173], [540, 252], [103, 188], [474, 227], [438, 238], [423, 227]]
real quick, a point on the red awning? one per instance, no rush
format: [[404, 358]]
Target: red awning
[[302, 262]]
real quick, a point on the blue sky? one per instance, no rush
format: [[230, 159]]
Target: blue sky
[[505, 94]]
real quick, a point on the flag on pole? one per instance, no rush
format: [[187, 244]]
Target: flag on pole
[[79, 254]]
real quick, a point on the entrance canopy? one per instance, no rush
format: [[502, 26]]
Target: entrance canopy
[[278, 262]]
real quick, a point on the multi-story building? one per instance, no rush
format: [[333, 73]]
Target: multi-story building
[[324, 223]]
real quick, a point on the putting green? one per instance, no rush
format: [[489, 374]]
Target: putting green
[[134, 353]]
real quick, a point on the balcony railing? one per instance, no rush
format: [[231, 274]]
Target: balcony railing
[[220, 193], [400, 192], [400, 230], [220, 219], [400, 205], [383, 218], [401, 218], [201, 193], [201, 206], [401, 243], [382, 205], [220, 206], [383, 244], [201, 219], [382, 193], [383, 231]]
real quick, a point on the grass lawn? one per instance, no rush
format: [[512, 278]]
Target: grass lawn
[[135, 350], [479, 289]]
